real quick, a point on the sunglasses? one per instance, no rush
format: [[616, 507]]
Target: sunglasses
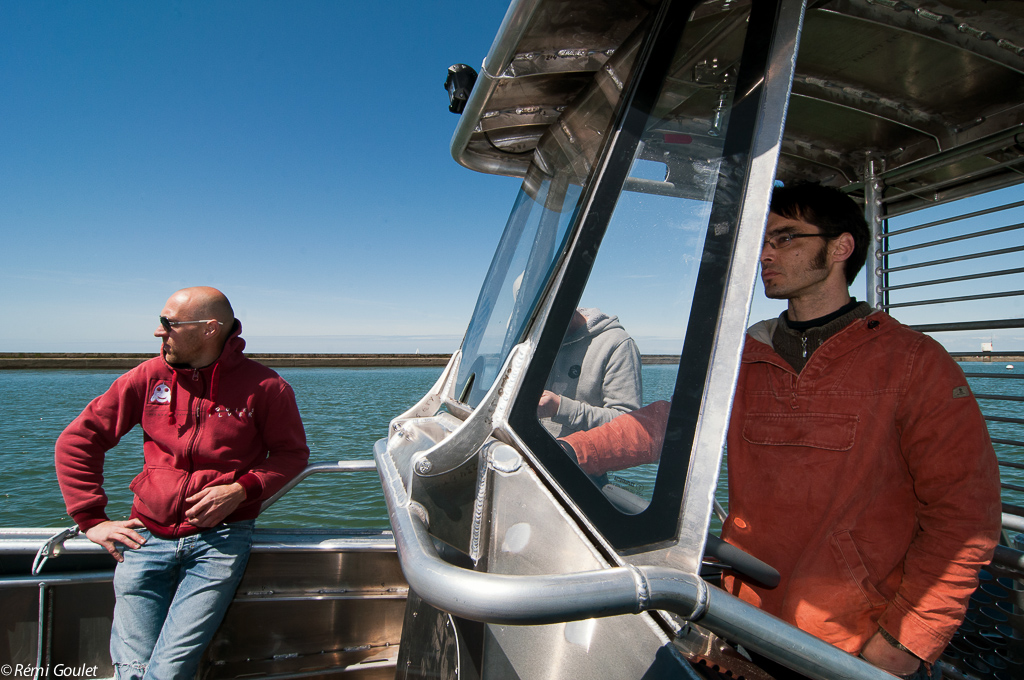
[[167, 323]]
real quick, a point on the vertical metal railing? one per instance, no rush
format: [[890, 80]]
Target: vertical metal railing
[[953, 269]]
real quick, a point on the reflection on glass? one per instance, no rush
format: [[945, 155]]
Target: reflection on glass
[[537, 231], [533, 240], [646, 271], [596, 375]]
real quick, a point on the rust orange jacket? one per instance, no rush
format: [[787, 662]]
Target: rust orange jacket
[[868, 480], [233, 421]]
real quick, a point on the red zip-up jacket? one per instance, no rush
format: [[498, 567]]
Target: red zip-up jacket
[[867, 480], [233, 421]]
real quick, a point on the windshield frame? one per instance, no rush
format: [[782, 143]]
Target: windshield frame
[[659, 523]]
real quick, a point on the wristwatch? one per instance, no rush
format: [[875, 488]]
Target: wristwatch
[[894, 642]]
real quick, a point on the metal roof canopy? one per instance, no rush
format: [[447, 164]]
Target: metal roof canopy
[[932, 92]]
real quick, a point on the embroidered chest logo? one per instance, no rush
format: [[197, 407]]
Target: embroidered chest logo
[[574, 372], [161, 394], [240, 413]]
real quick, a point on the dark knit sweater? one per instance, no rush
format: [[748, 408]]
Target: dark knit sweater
[[795, 341]]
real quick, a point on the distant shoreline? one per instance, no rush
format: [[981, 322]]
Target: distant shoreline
[[124, 361]]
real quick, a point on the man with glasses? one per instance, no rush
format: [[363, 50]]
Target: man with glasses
[[860, 466], [222, 434]]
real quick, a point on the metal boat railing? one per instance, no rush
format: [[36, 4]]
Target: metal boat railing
[[551, 598], [53, 546], [943, 275]]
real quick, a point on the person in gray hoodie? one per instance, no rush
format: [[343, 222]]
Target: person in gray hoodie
[[596, 375]]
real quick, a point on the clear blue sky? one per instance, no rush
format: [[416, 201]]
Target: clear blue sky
[[293, 154]]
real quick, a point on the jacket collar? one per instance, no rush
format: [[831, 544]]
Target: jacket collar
[[759, 339]]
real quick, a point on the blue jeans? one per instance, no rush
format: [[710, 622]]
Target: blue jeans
[[171, 598]]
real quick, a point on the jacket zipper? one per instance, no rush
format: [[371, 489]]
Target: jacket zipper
[[190, 448], [803, 344]]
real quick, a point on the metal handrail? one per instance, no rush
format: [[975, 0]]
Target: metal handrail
[[936, 186], [54, 545], [998, 397], [57, 579], [963, 298], [954, 279], [315, 468], [991, 324], [948, 260], [949, 220], [955, 239], [554, 598]]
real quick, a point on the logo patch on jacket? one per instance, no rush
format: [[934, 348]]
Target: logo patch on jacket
[[574, 372], [161, 394], [962, 391]]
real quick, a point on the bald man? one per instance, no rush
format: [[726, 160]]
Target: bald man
[[222, 434]]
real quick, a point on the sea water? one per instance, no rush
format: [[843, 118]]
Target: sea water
[[344, 410]]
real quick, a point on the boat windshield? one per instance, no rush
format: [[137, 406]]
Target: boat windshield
[[615, 393], [537, 233]]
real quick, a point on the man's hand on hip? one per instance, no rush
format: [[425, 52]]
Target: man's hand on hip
[[212, 505], [110, 533]]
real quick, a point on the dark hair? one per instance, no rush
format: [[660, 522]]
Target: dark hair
[[830, 210]]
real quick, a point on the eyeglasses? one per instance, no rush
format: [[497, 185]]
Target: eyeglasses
[[782, 240], [167, 323]]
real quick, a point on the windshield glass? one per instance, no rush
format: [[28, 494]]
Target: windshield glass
[[607, 396], [537, 232]]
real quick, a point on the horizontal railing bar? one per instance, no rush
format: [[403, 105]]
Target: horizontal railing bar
[[56, 579], [315, 468], [992, 324], [1001, 419], [1012, 487], [997, 376], [955, 218], [998, 397], [962, 298], [1011, 464], [1012, 520], [997, 357], [325, 597], [954, 279], [1008, 442], [981, 172], [1009, 559], [1011, 509], [954, 239], [949, 260], [986, 145]]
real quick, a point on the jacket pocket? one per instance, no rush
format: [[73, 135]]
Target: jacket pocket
[[844, 548], [157, 493], [827, 431]]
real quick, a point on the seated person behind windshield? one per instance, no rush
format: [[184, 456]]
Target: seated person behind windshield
[[596, 375], [860, 466]]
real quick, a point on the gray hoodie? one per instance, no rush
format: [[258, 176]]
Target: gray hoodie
[[596, 374]]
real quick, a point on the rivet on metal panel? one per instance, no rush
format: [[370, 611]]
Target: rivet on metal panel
[[423, 466]]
